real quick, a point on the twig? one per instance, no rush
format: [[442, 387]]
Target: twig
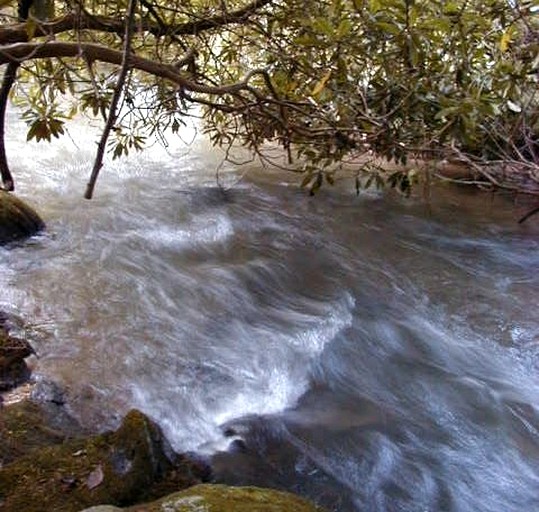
[[529, 214]]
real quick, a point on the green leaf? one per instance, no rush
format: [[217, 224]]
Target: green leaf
[[375, 5], [370, 181], [306, 180], [317, 184], [389, 28], [319, 87], [344, 29], [30, 27]]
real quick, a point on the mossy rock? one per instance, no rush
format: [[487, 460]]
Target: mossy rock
[[222, 498], [13, 369], [103, 508], [17, 219], [27, 426], [23, 429], [118, 468]]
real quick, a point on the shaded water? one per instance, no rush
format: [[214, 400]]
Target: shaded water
[[370, 353]]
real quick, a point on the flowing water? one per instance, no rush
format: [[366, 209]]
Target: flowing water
[[372, 353]]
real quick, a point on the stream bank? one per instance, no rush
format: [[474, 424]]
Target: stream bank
[[48, 461]]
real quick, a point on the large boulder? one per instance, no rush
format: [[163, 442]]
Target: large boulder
[[221, 498], [133, 463], [17, 219]]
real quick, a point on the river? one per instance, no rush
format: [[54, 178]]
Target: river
[[373, 353]]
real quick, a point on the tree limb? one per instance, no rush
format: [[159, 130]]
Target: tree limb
[[90, 51], [83, 20], [7, 83], [111, 119]]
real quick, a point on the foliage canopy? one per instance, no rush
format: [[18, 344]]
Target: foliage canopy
[[331, 81]]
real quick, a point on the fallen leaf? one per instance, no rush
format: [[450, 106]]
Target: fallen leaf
[[95, 477]]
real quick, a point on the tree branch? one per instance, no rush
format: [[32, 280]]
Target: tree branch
[[111, 119], [10, 76], [90, 51], [83, 20]]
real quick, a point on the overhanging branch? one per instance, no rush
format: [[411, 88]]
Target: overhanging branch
[[18, 32], [95, 52]]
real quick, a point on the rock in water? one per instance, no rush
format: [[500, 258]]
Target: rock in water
[[17, 219]]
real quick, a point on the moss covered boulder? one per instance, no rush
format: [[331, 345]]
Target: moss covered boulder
[[124, 467], [221, 498], [27, 426], [17, 219]]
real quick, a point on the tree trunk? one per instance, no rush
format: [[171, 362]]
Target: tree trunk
[[7, 83]]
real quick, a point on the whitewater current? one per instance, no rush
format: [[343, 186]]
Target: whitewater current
[[371, 352]]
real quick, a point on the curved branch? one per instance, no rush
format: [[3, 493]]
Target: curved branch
[[7, 83], [95, 52], [533, 211], [10, 75], [239, 16], [82, 20]]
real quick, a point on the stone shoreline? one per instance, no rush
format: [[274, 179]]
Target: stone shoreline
[[48, 461]]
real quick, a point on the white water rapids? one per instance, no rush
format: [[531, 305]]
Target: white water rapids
[[371, 353]]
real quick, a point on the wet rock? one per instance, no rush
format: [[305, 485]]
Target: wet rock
[[47, 391], [133, 463], [221, 498], [17, 219], [13, 369]]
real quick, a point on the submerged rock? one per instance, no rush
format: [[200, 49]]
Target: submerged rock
[[124, 467], [221, 498], [17, 219]]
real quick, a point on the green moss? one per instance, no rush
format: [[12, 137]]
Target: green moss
[[118, 468], [221, 498], [25, 428]]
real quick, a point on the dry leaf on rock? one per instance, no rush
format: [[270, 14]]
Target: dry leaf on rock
[[95, 477]]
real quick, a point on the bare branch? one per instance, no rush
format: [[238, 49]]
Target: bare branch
[[111, 119]]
